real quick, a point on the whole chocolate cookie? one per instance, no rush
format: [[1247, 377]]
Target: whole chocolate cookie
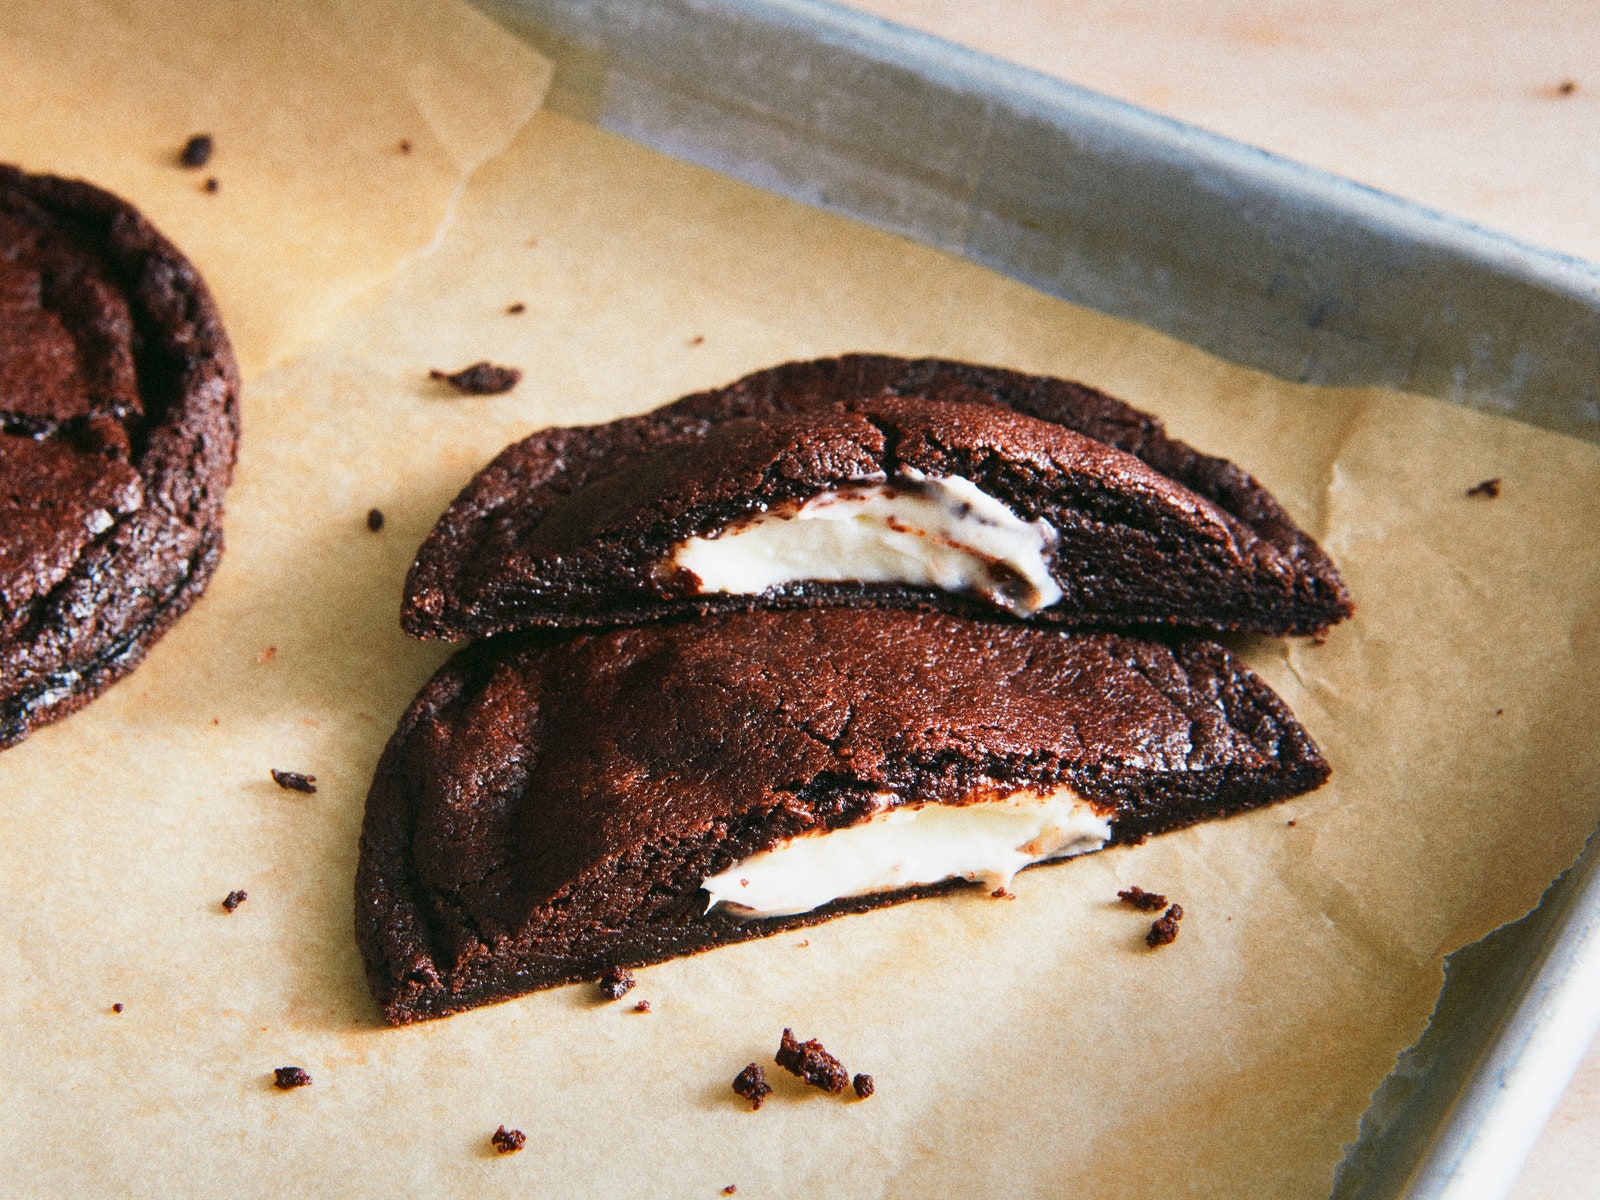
[[556, 804], [119, 419], [955, 463]]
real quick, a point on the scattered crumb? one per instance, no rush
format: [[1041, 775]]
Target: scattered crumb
[[863, 1086], [751, 1083], [812, 1063], [642, 1006], [375, 519], [1002, 894], [508, 1141], [480, 379], [801, 945], [216, 720], [117, 1007], [294, 781], [233, 899], [518, 307], [1164, 930], [616, 983], [1489, 489], [211, 185], [730, 1189], [197, 150], [1499, 712], [532, 242], [1142, 900], [288, 1078], [698, 339], [1291, 824], [405, 145], [1566, 87], [267, 655]]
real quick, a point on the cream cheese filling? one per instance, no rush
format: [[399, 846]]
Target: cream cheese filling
[[938, 531], [988, 841]]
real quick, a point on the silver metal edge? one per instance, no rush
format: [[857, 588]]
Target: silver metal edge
[[1274, 265]]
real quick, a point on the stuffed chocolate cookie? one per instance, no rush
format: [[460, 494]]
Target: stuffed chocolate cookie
[[868, 480], [554, 804], [118, 428]]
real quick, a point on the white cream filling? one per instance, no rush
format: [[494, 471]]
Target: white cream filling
[[940, 531], [988, 841]]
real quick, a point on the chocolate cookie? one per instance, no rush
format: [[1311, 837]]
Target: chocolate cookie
[[556, 804], [616, 523], [118, 425]]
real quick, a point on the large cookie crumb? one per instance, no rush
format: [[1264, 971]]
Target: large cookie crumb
[[1142, 900], [616, 983], [480, 379], [508, 1141], [812, 1063], [751, 1083], [1164, 930]]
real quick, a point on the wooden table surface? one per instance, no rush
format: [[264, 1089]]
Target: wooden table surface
[[1485, 109]]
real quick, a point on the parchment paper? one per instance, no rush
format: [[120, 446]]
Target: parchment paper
[[1026, 1048]]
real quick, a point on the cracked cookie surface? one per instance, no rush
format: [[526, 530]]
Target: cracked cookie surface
[[118, 431]]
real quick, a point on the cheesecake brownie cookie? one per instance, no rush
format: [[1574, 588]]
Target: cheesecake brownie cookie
[[871, 480], [118, 425], [554, 804]]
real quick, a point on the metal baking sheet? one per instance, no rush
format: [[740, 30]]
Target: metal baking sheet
[[1250, 257]]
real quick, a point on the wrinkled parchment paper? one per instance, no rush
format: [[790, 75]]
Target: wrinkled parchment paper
[[1026, 1048]]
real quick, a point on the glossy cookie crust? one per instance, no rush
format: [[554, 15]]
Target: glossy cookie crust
[[551, 802], [119, 423], [541, 536]]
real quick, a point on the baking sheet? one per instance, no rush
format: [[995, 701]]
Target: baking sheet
[[1016, 1045]]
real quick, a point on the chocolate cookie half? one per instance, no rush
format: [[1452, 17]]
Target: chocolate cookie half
[[118, 426], [871, 480], [554, 804]]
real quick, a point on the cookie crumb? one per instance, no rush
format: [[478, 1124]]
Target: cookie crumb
[[1566, 87], [266, 656], [197, 150], [1164, 930], [812, 1063], [698, 339], [211, 185], [751, 1083], [480, 379], [1499, 712], [1489, 489], [1142, 900], [518, 307], [642, 1006], [1002, 894], [294, 781], [405, 145], [801, 945], [117, 1007], [233, 899], [375, 519], [508, 1141], [863, 1086], [730, 1189], [616, 983], [288, 1078], [1291, 824]]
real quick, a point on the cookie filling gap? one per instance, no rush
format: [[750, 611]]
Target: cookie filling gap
[[902, 845], [928, 531]]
